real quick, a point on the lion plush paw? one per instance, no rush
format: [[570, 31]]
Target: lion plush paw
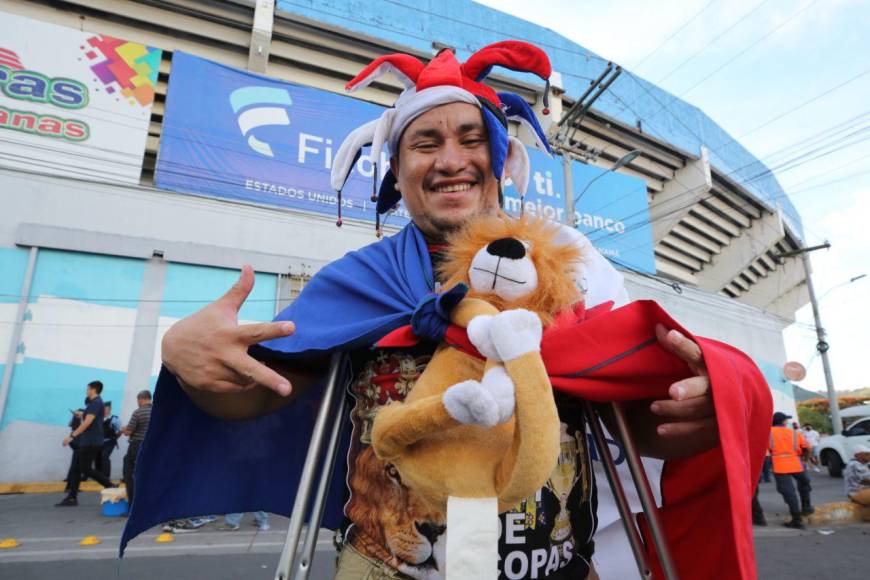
[[515, 333], [469, 403], [480, 335], [500, 386]]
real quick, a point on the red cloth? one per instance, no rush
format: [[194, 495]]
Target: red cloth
[[604, 355], [706, 498]]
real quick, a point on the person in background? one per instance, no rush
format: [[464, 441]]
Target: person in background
[[766, 468], [232, 522], [135, 430], [813, 437], [857, 476], [111, 433], [89, 436], [74, 422], [787, 446]]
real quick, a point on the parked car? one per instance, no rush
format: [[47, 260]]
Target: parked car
[[836, 450]]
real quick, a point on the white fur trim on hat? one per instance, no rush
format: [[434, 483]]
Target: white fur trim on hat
[[411, 105], [517, 165], [344, 158]]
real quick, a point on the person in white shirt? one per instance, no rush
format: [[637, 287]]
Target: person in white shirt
[[812, 436]]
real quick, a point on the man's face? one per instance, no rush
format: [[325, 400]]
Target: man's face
[[107, 410], [443, 169], [143, 402], [863, 457], [91, 393]]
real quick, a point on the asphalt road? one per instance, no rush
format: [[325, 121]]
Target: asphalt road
[[49, 545]]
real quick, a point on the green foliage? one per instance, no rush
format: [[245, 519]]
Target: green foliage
[[821, 422], [821, 404], [816, 411]]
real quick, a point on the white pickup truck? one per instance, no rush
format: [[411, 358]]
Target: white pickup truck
[[836, 450]]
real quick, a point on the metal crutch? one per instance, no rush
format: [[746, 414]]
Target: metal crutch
[[334, 394], [333, 397], [642, 486]]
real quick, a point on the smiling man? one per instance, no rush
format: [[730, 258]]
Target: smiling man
[[450, 154], [443, 169]]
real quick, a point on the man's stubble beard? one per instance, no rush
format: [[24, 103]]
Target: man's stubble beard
[[444, 228]]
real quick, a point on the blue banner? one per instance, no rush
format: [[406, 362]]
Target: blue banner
[[233, 134], [612, 210], [545, 195]]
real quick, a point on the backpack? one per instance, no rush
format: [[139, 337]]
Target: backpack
[[109, 431]]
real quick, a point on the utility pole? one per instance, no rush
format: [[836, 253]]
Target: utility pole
[[822, 345]]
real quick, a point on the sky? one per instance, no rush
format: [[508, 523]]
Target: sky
[[782, 53]]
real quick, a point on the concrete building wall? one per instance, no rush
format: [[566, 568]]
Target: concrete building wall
[[116, 267]]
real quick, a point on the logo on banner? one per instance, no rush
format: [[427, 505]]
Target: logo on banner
[[29, 86], [263, 107], [128, 66]]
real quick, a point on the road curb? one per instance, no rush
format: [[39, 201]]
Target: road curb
[[838, 513], [45, 487]]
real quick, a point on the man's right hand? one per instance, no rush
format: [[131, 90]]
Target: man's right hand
[[208, 350]]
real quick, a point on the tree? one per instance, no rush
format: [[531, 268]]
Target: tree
[[816, 411]]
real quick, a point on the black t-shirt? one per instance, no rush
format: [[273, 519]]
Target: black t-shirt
[[547, 535], [93, 435]]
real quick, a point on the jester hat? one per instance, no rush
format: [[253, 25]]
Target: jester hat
[[444, 80]]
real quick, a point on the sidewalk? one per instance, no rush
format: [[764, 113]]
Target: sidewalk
[[826, 490], [49, 542], [50, 534]]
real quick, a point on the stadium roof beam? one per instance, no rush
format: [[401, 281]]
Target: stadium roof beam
[[788, 303], [687, 248], [674, 271], [673, 202], [761, 236], [261, 36], [677, 257], [716, 204], [778, 283], [685, 233]]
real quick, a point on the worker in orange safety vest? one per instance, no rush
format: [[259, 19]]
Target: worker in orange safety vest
[[787, 448]]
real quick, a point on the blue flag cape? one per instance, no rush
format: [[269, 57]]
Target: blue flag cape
[[193, 464]]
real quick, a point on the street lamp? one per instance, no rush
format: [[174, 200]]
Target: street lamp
[[849, 281], [621, 162]]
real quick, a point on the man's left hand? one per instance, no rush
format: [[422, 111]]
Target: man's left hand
[[685, 423]]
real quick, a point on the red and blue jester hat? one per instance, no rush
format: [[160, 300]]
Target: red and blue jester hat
[[444, 80]]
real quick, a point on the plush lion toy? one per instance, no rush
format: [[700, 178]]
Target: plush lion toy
[[475, 435]]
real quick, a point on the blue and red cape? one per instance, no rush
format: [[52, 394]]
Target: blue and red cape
[[194, 464]]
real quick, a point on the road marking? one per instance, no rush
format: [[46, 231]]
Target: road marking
[[152, 549]]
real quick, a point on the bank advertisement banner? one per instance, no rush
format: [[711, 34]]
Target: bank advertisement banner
[[237, 135], [74, 103], [545, 195], [613, 212]]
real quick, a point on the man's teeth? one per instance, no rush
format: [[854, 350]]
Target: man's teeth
[[453, 188]]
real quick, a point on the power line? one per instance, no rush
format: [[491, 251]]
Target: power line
[[673, 34], [826, 183], [805, 103], [713, 40], [748, 48]]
